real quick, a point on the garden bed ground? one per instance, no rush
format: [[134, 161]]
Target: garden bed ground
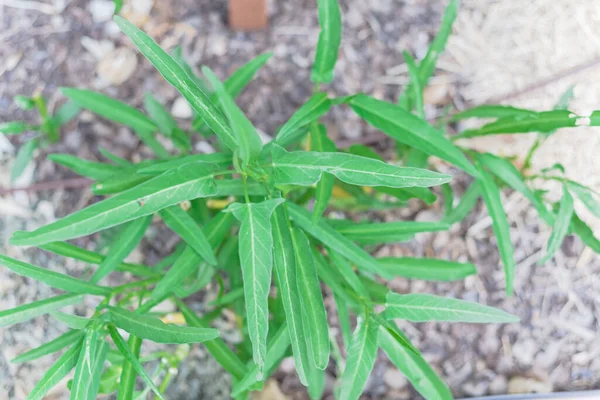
[[556, 346]]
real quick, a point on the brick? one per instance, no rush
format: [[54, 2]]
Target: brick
[[248, 15]]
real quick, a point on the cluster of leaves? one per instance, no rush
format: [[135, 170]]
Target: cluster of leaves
[[244, 214], [42, 134]]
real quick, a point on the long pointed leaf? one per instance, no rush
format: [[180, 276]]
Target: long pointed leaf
[[248, 139], [313, 308], [285, 270], [306, 168], [427, 268], [361, 358], [50, 347], [90, 365], [177, 77], [320, 142], [154, 329], [330, 37], [410, 130], [256, 257], [418, 307], [185, 183], [418, 371], [54, 279], [500, 225], [31, 310]]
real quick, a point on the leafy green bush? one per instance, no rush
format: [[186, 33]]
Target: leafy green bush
[[252, 208]]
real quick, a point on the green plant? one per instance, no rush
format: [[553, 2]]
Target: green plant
[[46, 132], [243, 212]]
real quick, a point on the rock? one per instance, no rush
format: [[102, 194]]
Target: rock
[[271, 391], [98, 48], [288, 365], [181, 108], [137, 12], [524, 351], [101, 10], [475, 388], [519, 384], [498, 385], [117, 66], [394, 379]]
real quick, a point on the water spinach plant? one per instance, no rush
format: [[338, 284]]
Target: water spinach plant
[[253, 220]]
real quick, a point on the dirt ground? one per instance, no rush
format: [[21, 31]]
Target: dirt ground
[[74, 43]]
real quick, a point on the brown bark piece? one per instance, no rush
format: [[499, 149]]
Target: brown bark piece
[[248, 15]]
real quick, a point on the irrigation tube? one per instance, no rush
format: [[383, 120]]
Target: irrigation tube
[[590, 394]]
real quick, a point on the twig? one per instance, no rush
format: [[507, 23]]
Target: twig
[[51, 185], [545, 82]]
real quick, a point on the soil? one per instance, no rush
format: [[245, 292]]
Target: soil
[[72, 43]]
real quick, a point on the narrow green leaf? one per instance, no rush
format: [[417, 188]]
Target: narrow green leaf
[[72, 321], [50, 347], [243, 75], [189, 259], [71, 251], [131, 358], [305, 168], [89, 169], [184, 225], [216, 347], [405, 194], [329, 236], [90, 365], [508, 173], [248, 139], [278, 346], [66, 113], [415, 84], [427, 65], [235, 187], [119, 112], [154, 329], [386, 232], [118, 5], [316, 385], [500, 225], [125, 242], [560, 228], [57, 372], [31, 310], [53, 279], [256, 257], [410, 130], [585, 233], [465, 205], [493, 111], [330, 37], [320, 142], [418, 371], [586, 195], [315, 107], [361, 358], [312, 305], [177, 77], [23, 157], [13, 127], [433, 269], [546, 121], [285, 271], [159, 114], [109, 381], [185, 183], [418, 307]]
